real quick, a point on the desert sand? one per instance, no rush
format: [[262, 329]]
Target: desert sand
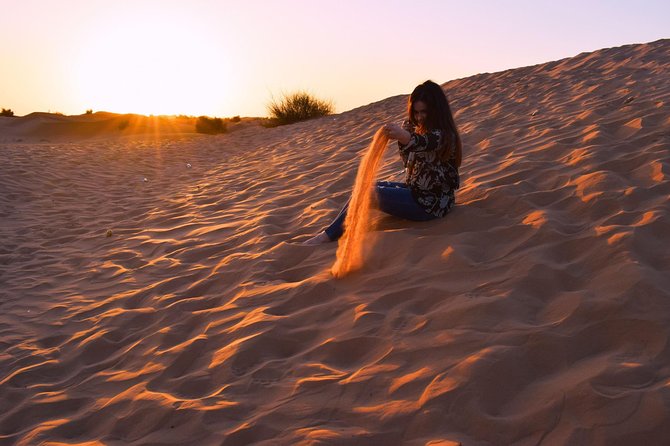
[[154, 291]]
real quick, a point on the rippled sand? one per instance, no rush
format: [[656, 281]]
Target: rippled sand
[[183, 309]]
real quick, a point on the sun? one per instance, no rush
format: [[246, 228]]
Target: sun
[[151, 65]]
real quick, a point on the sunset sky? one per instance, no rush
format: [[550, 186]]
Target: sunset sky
[[226, 58]]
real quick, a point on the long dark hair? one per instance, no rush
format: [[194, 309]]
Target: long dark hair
[[438, 117]]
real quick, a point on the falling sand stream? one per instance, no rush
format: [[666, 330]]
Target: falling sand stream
[[355, 242]]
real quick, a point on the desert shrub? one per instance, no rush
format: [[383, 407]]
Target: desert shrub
[[89, 111], [123, 124], [235, 119], [7, 112], [299, 106], [211, 126]]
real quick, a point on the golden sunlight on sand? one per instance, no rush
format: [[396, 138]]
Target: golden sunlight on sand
[[155, 291]]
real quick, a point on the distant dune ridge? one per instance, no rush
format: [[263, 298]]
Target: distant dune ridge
[[54, 127], [143, 301]]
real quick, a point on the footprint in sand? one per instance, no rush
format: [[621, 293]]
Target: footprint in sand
[[399, 324], [266, 376], [241, 369]]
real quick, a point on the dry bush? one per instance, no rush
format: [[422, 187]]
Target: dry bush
[[299, 106]]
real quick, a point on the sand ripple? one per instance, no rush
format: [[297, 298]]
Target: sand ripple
[[181, 309]]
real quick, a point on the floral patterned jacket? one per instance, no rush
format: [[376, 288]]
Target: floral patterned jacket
[[431, 181]]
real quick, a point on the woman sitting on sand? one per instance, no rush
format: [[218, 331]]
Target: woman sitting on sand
[[430, 148]]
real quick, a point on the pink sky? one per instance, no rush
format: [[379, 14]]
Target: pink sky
[[225, 58]]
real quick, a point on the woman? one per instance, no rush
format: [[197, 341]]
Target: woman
[[431, 151]]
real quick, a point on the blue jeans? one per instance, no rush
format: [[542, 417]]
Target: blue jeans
[[393, 198]]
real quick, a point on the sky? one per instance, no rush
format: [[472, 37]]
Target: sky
[[228, 58]]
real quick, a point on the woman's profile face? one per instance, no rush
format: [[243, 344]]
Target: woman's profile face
[[420, 112]]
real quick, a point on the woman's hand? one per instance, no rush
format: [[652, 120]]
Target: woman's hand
[[394, 131]]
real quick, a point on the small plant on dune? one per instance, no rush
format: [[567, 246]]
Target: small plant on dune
[[123, 124], [299, 106], [89, 111], [7, 112], [211, 126], [235, 119]]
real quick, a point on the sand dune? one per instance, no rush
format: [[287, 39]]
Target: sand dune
[[57, 128], [538, 312]]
